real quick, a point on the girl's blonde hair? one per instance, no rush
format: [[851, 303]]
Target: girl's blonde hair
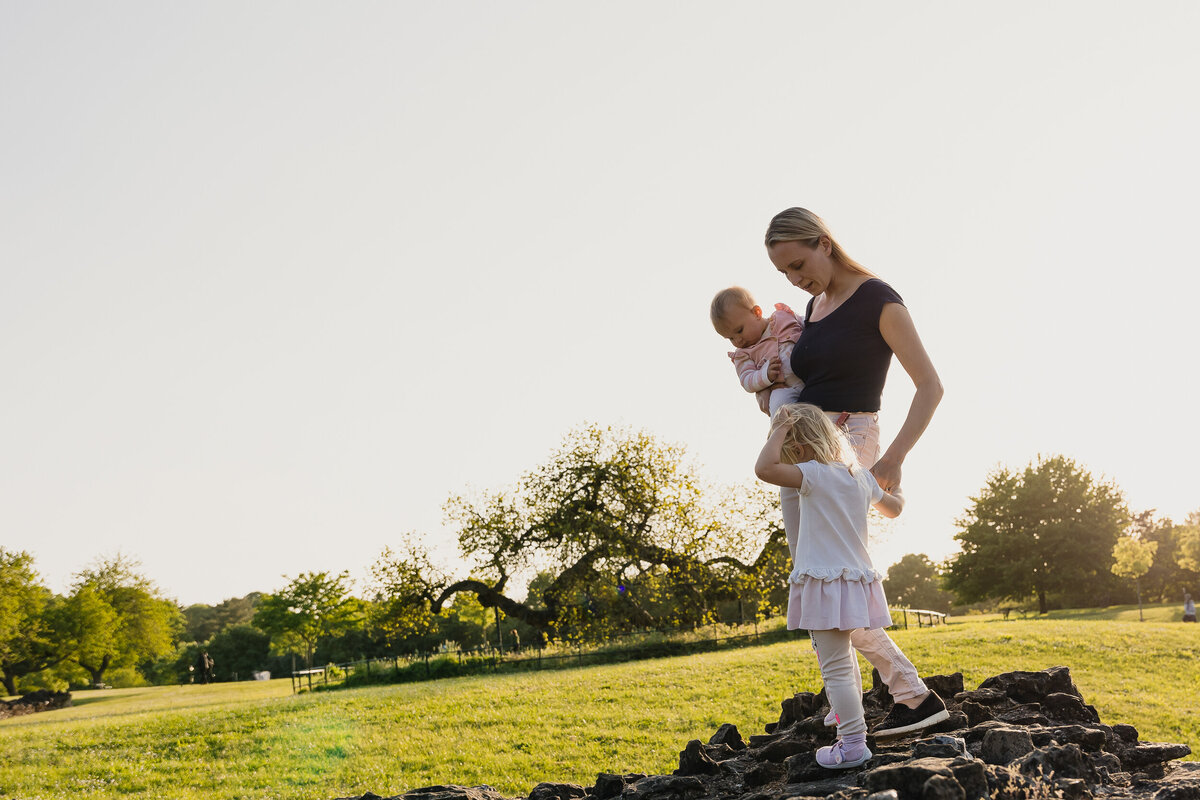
[[801, 225], [808, 425]]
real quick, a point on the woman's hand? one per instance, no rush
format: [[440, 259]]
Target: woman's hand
[[887, 473]]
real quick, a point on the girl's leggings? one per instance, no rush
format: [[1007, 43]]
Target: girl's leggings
[[839, 670], [876, 646]]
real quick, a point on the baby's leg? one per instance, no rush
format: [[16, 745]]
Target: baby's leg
[[897, 671]]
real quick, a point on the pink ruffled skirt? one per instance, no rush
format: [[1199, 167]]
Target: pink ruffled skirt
[[839, 604]]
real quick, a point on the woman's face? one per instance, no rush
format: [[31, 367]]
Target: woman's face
[[807, 268]]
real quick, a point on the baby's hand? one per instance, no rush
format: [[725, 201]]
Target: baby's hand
[[774, 369]]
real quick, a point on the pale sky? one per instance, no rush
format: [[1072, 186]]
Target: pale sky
[[276, 279]]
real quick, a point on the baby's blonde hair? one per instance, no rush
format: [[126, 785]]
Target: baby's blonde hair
[[733, 297], [808, 425]]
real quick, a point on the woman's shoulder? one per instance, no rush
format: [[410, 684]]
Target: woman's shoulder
[[879, 290]]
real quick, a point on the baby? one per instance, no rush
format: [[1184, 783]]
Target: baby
[[764, 346]]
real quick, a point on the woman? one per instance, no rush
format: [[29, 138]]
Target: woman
[[853, 324]]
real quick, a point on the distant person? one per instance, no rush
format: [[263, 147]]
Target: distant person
[[763, 346], [852, 326], [835, 588], [516, 641], [204, 667], [1189, 608]]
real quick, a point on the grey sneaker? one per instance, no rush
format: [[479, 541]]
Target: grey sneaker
[[902, 719], [830, 719]]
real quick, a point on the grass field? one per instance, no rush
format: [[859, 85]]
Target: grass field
[[256, 740]]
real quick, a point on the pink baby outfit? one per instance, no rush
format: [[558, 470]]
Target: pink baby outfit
[[782, 331]]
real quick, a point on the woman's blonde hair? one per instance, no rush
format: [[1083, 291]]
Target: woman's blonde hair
[[801, 225], [808, 425]]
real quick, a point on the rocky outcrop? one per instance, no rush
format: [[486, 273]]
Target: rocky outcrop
[[41, 700], [1018, 735]]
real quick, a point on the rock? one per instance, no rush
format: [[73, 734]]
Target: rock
[[1064, 761], [694, 761], [985, 697], [944, 685], [908, 777], [453, 792], [34, 702], [728, 734], [664, 787], [941, 787], [609, 785], [764, 773], [1146, 754], [1092, 739], [1127, 733], [799, 706], [783, 749], [557, 791], [940, 746], [1024, 714], [976, 712], [1004, 745], [1063, 708], [1030, 687]]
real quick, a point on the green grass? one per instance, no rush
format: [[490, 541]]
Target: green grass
[[256, 740]]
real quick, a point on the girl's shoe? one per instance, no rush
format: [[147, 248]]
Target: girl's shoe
[[830, 719], [836, 757]]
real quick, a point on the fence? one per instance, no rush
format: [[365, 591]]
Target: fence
[[431, 666]]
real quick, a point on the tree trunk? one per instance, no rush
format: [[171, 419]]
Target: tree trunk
[[97, 672], [10, 683], [1042, 602], [1137, 584]]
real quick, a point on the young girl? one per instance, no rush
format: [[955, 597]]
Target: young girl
[[764, 346], [835, 589]]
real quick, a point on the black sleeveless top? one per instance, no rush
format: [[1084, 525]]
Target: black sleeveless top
[[843, 359]]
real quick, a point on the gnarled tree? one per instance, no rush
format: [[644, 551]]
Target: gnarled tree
[[617, 525]]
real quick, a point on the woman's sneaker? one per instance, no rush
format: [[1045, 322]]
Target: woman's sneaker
[[837, 756], [830, 719], [902, 719]]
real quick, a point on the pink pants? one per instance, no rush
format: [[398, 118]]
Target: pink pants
[[875, 645]]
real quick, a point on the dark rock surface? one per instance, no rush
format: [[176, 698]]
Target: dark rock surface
[[1018, 735], [41, 700]]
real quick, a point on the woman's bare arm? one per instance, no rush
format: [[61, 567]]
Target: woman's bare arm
[[900, 333]]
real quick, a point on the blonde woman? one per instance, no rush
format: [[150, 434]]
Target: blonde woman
[[853, 324]]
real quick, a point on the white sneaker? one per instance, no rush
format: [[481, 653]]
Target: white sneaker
[[830, 719]]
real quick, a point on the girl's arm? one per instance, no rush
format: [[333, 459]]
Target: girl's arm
[[891, 504], [900, 333], [770, 467]]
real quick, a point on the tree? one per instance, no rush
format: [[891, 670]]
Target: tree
[[1050, 528], [1132, 559], [204, 621], [621, 522], [1189, 543], [117, 617], [312, 605], [29, 639], [916, 582]]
